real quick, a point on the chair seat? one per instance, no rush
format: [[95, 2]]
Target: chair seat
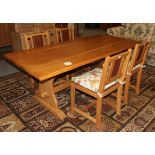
[[91, 80]]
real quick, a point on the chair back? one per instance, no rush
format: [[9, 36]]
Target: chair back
[[36, 40], [139, 55], [114, 69], [64, 34]]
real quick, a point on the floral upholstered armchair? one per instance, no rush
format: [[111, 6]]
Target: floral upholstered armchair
[[137, 31]]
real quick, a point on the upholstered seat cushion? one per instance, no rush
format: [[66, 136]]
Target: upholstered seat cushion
[[91, 80]]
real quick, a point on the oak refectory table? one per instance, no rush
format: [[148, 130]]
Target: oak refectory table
[[45, 63]]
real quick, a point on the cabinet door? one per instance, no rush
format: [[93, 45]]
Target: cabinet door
[[4, 34]]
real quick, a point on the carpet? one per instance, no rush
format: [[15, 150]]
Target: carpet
[[19, 111]]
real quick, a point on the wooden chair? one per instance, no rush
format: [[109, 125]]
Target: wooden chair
[[33, 41], [64, 34], [67, 34], [36, 40], [136, 65], [100, 82]]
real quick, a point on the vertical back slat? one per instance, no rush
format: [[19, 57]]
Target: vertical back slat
[[139, 55], [116, 67], [65, 35], [38, 41]]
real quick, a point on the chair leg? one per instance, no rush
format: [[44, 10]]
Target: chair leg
[[32, 82], [72, 97], [139, 77], [98, 113], [67, 77], [126, 91], [119, 98]]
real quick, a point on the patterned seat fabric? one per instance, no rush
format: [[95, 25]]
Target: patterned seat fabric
[[91, 80], [140, 31]]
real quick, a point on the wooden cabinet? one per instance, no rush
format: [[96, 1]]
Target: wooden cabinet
[[5, 34], [30, 27]]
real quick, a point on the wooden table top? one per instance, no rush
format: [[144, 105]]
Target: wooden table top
[[48, 61]]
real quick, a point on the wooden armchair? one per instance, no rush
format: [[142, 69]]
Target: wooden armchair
[[36, 40], [100, 82], [136, 65]]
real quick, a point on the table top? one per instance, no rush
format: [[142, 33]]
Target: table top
[[49, 61]]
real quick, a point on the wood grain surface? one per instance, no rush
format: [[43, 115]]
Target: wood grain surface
[[48, 61]]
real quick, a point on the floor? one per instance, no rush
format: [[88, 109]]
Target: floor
[[5, 67], [19, 111]]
